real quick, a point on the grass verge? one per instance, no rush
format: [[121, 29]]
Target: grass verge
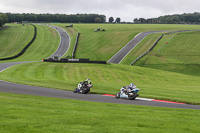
[[22, 113]]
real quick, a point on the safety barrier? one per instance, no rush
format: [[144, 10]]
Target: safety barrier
[[75, 46], [25, 48], [157, 43], [74, 61]]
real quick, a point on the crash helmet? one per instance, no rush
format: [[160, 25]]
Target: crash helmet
[[131, 85]]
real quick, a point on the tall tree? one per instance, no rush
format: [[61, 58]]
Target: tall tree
[[3, 19], [135, 20], [118, 20], [111, 19]]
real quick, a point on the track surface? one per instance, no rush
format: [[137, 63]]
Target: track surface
[[119, 56], [48, 92], [64, 43]]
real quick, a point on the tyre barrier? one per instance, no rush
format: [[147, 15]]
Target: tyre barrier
[[157, 43], [74, 61], [25, 48]]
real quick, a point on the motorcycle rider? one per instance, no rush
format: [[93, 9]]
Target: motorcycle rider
[[124, 88], [84, 84]]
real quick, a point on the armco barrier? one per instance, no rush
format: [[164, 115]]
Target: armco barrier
[[24, 49], [157, 43], [75, 46], [74, 61]]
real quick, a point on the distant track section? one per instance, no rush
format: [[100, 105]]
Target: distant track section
[[119, 56], [64, 42]]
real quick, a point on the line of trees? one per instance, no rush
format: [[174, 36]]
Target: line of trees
[[3, 19], [62, 18], [186, 18]]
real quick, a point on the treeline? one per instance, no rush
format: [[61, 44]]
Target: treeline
[[62, 18], [186, 18], [3, 19]]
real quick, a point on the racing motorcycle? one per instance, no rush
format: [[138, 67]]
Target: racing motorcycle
[[129, 93], [83, 88]]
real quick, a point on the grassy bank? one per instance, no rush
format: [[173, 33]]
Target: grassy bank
[[108, 79], [176, 52], [46, 43], [21, 113], [14, 38]]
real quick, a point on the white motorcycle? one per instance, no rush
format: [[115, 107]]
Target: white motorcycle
[[129, 93]]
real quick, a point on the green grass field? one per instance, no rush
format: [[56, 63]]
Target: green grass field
[[22, 113], [47, 38], [181, 54], [14, 38]]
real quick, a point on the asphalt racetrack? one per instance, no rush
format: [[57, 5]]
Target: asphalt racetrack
[[48, 92], [64, 43]]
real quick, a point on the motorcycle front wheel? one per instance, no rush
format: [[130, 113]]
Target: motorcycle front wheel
[[118, 95], [85, 90], [75, 90]]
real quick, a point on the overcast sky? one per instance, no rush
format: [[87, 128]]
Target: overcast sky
[[127, 10]]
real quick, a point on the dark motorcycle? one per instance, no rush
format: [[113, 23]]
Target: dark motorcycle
[[83, 88]]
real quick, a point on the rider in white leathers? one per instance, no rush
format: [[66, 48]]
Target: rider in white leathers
[[124, 88]]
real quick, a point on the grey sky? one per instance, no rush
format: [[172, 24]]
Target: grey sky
[[127, 10]]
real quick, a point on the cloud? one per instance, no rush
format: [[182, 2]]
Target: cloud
[[127, 10]]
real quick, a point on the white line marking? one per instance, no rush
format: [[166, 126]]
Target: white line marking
[[144, 99], [4, 69]]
